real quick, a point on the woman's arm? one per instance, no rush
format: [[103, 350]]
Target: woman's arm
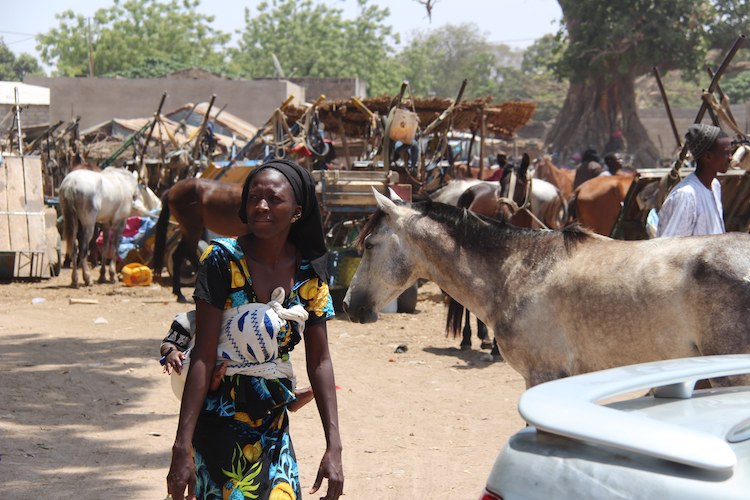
[[202, 362], [320, 372]]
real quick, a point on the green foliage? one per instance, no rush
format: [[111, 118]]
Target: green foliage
[[154, 67], [730, 19], [607, 40], [314, 40], [124, 35], [14, 68], [737, 87], [436, 62]]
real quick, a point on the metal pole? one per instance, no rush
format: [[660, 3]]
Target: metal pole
[[18, 122]]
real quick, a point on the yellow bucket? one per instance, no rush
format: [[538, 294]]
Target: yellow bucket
[[136, 274]]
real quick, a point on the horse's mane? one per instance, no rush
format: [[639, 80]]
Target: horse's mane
[[470, 230]]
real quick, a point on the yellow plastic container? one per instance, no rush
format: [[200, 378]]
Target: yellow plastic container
[[136, 274]]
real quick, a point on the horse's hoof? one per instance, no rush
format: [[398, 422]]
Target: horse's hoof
[[465, 347], [487, 345], [497, 358], [182, 300]]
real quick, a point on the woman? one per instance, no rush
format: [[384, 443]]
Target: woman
[[233, 442]]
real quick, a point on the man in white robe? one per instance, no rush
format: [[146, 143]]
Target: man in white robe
[[694, 206]]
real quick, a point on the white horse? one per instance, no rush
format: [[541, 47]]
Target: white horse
[[563, 302], [547, 202], [87, 197]]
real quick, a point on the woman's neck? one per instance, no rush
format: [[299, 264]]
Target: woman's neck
[[269, 252]]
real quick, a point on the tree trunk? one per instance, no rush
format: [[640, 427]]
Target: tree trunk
[[592, 112]]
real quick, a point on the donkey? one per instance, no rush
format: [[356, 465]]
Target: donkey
[[563, 302]]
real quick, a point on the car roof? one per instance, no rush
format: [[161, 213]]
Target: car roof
[[680, 431]]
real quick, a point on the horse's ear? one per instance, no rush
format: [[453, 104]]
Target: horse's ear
[[524, 167], [384, 203]]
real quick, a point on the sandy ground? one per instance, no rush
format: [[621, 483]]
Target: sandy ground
[[86, 413]]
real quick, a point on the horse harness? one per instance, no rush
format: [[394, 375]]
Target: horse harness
[[509, 200]]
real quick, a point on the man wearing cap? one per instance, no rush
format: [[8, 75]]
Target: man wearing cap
[[694, 206]]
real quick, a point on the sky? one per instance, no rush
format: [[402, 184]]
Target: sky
[[516, 23]]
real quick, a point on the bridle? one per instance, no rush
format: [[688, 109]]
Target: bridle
[[510, 201]]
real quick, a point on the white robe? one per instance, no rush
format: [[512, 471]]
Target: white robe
[[692, 209]]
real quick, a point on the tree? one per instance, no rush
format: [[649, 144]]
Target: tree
[[313, 40], [436, 62], [123, 36], [14, 68], [607, 45]]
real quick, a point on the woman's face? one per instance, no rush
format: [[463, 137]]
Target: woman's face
[[271, 207]]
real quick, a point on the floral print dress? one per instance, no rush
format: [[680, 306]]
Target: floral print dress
[[242, 447]]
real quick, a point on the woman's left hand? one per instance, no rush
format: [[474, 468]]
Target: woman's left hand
[[331, 468]]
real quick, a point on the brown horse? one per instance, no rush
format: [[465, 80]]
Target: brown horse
[[561, 178], [597, 202], [197, 205]]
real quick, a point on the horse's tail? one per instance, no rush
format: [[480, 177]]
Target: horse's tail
[[455, 316], [466, 198], [572, 207], [557, 211], [69, 215], [160, 238]]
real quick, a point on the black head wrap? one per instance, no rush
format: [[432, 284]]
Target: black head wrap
[[307, 233], [590, 155]]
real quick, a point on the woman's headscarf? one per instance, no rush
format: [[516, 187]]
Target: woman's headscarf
[[307, 233]]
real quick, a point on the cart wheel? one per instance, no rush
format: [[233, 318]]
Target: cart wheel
[[188, 271], [407, 301]]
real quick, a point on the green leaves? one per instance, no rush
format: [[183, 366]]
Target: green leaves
[[124, 36], [14, 68]]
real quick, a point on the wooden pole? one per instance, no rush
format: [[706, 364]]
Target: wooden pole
[[344, 142], [91, 50], [483, 124], [666, 105]]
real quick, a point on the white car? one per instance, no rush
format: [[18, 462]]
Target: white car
[[674, 443]]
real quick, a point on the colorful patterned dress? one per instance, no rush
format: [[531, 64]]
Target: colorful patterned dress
[[241, 443]]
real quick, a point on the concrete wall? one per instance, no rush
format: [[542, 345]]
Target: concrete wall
[[100, 99], [332, 88], [30, 115], [657, 124]]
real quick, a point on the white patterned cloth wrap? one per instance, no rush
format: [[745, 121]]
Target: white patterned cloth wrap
[[248, 340]]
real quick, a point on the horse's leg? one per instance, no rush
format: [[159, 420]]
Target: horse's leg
[[495, 353], [107, 230], [466, 339], [483, 334], [87, 232], [177, 257], [115, 239], [73, 252]]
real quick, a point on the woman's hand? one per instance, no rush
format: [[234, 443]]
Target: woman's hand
[[330, 467], [181, 474], [174, 362]]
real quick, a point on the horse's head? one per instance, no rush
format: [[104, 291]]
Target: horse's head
[[514, 192], [144, 200], [386, 268], [741, 158]]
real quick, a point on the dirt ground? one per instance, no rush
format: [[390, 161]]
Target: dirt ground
[[86, 413]]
